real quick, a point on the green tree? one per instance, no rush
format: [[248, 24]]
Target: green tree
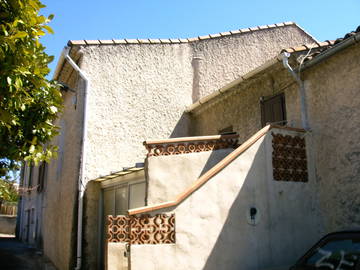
[[29, 102]]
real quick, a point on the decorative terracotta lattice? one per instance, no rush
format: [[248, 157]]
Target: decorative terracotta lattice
[[118, 228], [190, 147], [159, 229], [289, 158]]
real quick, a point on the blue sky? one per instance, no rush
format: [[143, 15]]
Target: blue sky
[[117, 19]]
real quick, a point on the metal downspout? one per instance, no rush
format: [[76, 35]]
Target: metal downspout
[[81, 186], [303, 105]]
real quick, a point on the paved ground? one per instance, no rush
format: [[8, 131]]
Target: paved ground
[[15, 255]]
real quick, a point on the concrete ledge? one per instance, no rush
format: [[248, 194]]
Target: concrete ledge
[[7, 224]]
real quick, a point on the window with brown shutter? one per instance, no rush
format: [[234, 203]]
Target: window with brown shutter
[[273, 110]]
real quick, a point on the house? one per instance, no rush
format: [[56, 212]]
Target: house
[[122, 92]]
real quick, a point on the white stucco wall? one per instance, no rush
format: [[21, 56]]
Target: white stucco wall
[[212, 229]]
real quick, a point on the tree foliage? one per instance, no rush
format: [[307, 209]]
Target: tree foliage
[[8, 191], [29, 102]]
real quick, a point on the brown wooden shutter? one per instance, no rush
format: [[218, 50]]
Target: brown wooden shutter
[[273, 110]]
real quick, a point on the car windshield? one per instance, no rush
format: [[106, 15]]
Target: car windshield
[[336, 254]]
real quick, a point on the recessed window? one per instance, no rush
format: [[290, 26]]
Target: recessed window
[[273, 110]]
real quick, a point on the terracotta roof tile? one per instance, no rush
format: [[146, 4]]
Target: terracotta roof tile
[[131, 41], [234, 32], [254, 28], [106, 42], [215, 35], [119, 41], [193, 39], [245, 30], [165, 40], [143, 41], [224, 34], [76, 42], [204, 37], [169, 41], [174, 40], [92, 42], [319, 47], [154, 40]]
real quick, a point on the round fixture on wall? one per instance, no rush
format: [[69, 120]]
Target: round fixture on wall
[[253, 215]]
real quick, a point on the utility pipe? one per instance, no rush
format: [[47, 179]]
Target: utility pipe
[[81, 186], [303, 105]]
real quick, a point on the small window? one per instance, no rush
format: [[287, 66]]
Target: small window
[[273, 110], [227, 130], [31, 172], [41, 178]]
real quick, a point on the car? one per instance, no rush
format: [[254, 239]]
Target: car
[[337, 251]]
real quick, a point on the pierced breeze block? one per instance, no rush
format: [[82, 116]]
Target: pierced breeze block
[[145, 229], [289, 158]]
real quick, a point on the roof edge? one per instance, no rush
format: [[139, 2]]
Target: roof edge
[[183, 40]]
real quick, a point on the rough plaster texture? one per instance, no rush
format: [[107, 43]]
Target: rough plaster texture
[[139, 92], [212, 229], [334, 112], [224, 60], [168, 176], [60, 200], [240, 107]]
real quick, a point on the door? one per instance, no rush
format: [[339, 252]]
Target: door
[[116, 201], [273, 110]]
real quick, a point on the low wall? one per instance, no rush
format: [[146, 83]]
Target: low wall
[[250, 215], [7, 224]]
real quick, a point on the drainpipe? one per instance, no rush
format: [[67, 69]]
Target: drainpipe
[[81, 186], [303, 105]]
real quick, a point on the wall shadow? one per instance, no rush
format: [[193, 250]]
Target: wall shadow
[[279, 233]]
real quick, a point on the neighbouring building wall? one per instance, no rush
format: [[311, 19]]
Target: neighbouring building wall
[[30, 210], [333, 94], [240, 107], [60, 199], [213, 225]]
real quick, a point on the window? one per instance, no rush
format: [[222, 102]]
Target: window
[[120, 198], [41, 178], [31, 172], [273, 110], [226, 130]]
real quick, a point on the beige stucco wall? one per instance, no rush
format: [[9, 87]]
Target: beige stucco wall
[[60, 194], [167, 176], [140, 91], [225, 60], [212, 229], [240, 107], [137, 92], [332, 89]]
